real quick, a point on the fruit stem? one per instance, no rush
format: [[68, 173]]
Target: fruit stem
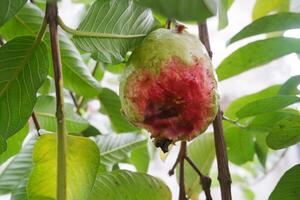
[[36, 123], [220, 146], [61, 186], [204, 180], [182, 155]]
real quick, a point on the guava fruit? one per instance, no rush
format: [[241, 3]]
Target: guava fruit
[[169, 87]]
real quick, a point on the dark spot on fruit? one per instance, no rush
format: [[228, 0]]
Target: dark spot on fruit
[[163, 144]]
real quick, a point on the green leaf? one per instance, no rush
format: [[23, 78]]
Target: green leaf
[[17, 169], [111, 103], [240, 145], [266, 105], [123, 184], [20, 193], [256, 54], [202, 152], [76, 74], [82, 167], [261, 147], [273, 23], [14, 144], [265, 122], [290, 86], [116, 147], [285, 133], [140, 157], [288, 187], [23, 69], [119, 17], [183, 10], [8, 8], [90, 131], [264, 7], [236, 105], [45, 110]]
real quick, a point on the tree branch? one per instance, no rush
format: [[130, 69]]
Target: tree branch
[[61, 186], [204, 180], [221, 153]]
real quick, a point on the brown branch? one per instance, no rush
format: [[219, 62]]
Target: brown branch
[[36, 123], [205, 181], [182, 155], [220, 146], [61, 186], [168, 23]]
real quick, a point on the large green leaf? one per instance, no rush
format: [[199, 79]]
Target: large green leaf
[[116, 147], [266, 105], [17, 169], [255, 54], [122, 18], [20, 193], [127, 185], [278, 22], [184, 10], [288, 187], [45, 111], [23, 69], [237, 104], [76, 75], [285, 133], [9, 8], [240, 145], [82, 167], [110, 102], [290, 87], [222, 13], [261, 147], [202, 152], [14, 144], [264, 7]]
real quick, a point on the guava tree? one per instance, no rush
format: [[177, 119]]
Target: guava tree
[[50, 74]]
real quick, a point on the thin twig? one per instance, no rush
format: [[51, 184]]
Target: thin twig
[[234, 122], [61, 186], [168, 23], [1, 42], [172, 170], [36, 123], [182, 155], [220, 146], [75, 103], [204, 180]]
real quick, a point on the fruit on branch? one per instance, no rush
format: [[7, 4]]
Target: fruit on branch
[[169, 87]]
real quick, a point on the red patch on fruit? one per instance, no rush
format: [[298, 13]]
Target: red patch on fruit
[[177, 102]]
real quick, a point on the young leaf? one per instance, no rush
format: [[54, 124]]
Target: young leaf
[[8, 8], [24, 67], [266, 105], [183, 10], [140, 157], [125, 22], [288, 186], [76, 74], [45, 111], [277, 22], [290, 86], [240, 145], [112, 105], [119, 184], [116, 147], [285, 133], [202, 152], [14, 144], [82, 165], [261, 147], [255, 54], [17, 169], [264, 7]]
